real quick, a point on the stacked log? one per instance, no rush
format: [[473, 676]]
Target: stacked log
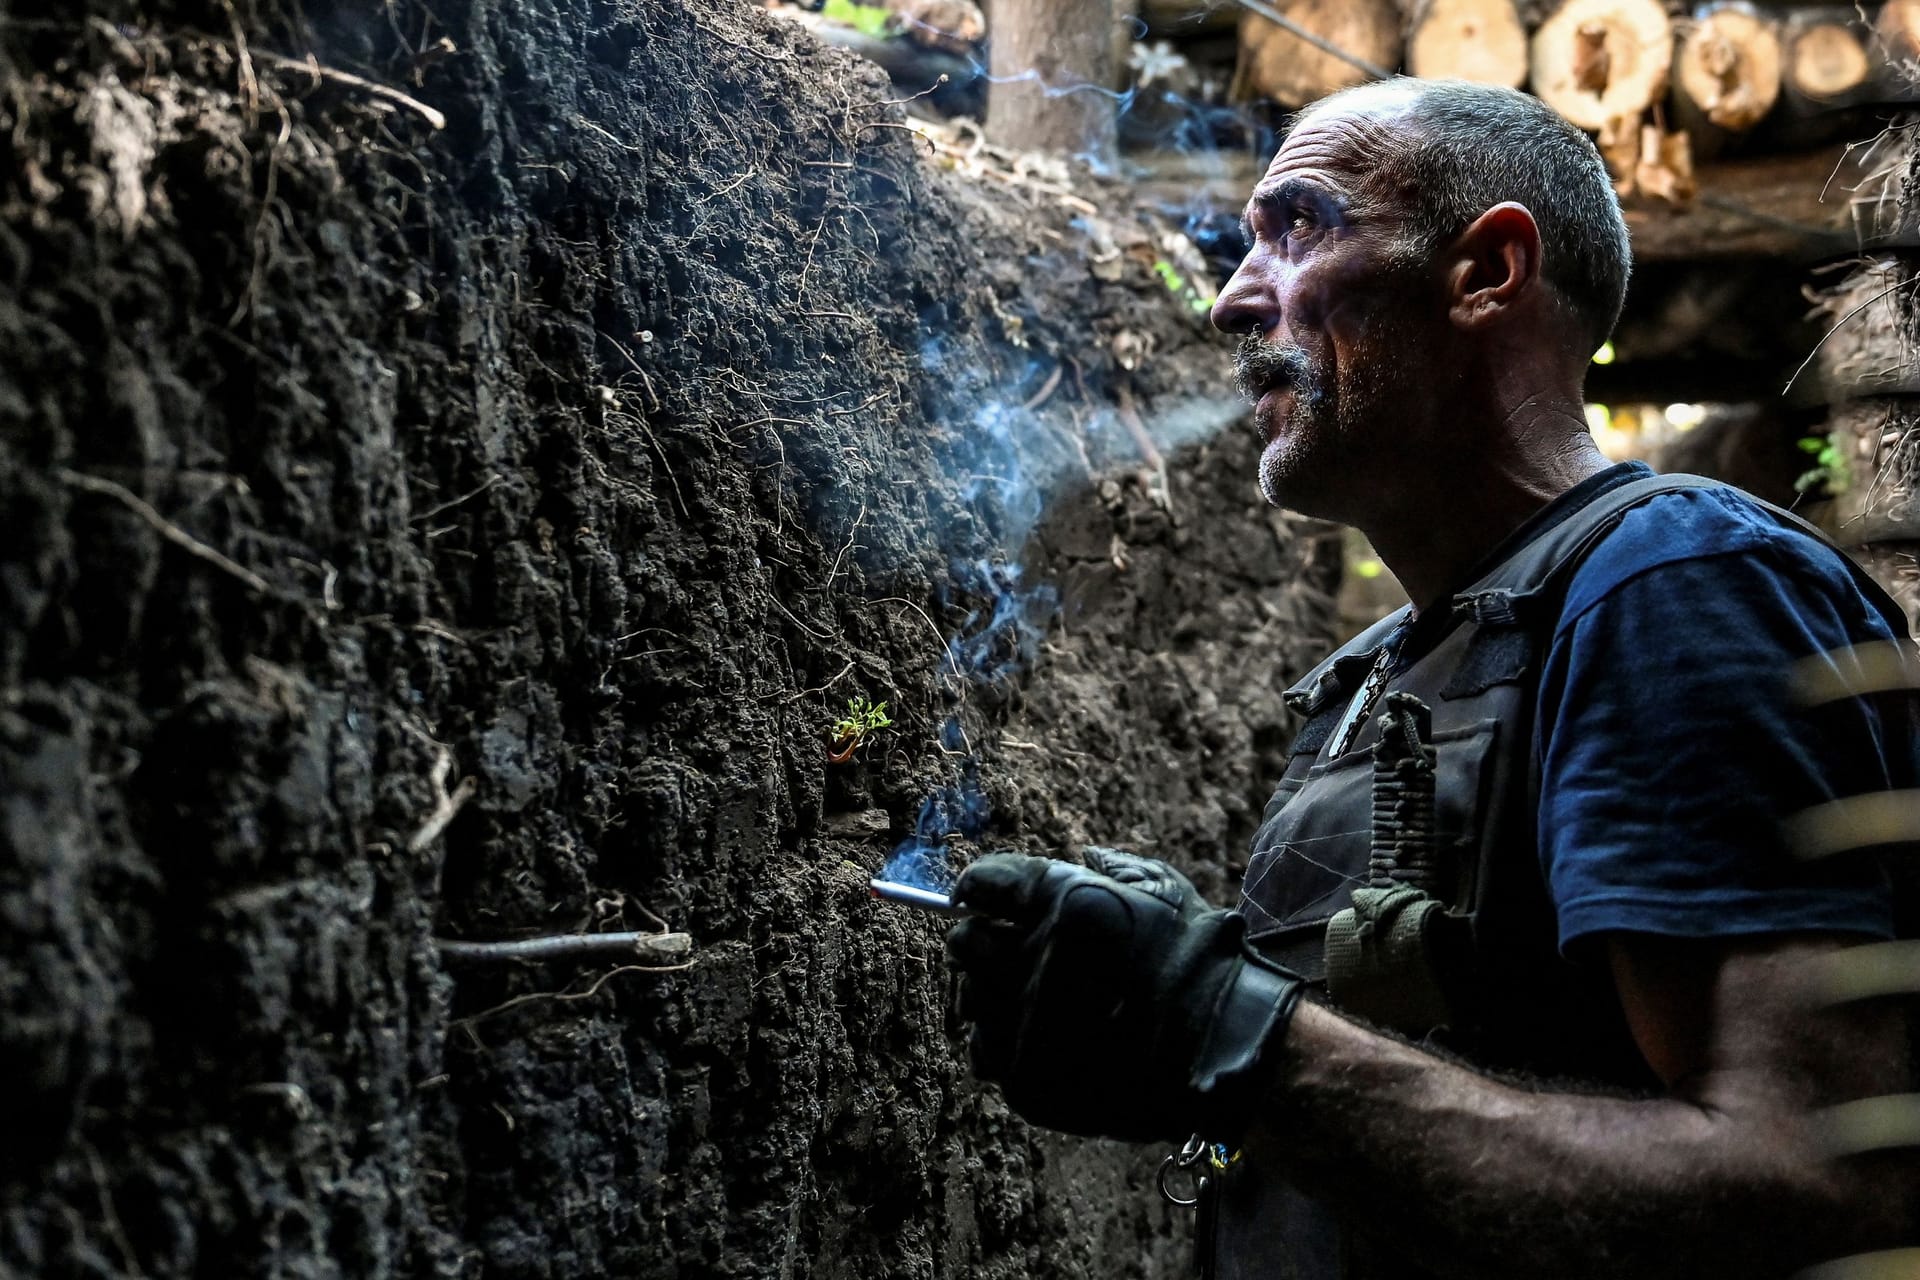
[[1726, 75], [1600, 61], [1719, 71], [1276, 62], [1897, 33], [1826, 63], [1479, 40], [1867, 365]]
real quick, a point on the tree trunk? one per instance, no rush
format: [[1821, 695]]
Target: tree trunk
[[1053, 74], [1276, 63], [1598, 60], [1478, 40]]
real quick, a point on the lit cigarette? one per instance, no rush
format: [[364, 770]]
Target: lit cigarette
[[924, 899]]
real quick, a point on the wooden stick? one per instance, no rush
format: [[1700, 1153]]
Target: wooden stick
[[570, 946]]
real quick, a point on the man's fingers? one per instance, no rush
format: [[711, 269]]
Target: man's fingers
[[990, 1051], [1128, 868], [1150, 874], [981, 945], [1009, 886]]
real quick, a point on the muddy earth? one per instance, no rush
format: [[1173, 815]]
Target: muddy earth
[[456, 466]]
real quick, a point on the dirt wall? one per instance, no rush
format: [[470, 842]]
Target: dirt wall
[[449, 486]]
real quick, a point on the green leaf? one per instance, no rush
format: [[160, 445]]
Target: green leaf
[[868, 19]]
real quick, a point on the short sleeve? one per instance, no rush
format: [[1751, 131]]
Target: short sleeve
[[1671, 748]]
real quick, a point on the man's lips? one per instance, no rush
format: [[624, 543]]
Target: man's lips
[[1266, 409]]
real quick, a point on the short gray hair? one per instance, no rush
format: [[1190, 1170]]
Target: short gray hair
[[1472, 146]]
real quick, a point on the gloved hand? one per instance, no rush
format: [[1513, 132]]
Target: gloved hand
[[1111, 1009], [1151, 874]]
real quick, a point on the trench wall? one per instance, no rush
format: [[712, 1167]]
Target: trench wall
[[474, 532]]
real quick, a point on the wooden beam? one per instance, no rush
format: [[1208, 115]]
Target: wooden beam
[[1763, 207]]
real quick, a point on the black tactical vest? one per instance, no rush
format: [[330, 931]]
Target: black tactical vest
[[1473, 966]]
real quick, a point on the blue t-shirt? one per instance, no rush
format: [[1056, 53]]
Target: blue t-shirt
[[1671, 745]]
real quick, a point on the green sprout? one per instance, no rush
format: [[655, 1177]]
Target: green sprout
[[1181, 287], [850, 730], [1829, 471], [868, 19]]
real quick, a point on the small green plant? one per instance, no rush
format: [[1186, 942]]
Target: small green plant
[[1181, 287], [1829, 471], [869, 19], [850, 730]]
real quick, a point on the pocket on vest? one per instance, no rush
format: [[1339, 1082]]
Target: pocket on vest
[[1313, 850]]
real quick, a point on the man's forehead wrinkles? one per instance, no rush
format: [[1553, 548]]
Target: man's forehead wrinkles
[[1338, 143]]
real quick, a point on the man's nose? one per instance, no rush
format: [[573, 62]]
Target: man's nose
[[1247, 304]]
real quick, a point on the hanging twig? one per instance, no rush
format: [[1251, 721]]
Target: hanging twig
[[1149, 452], [914, 97], [446, 805], [793, 698], [451, 503], [312, 67], [590, 992], [570, 946], [931, 629], [1046, 390], [835, 572], [1898, 284], [164, 527]]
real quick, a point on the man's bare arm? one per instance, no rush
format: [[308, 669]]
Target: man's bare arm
[[1724, 1175]]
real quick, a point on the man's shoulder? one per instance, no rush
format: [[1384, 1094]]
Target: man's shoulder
[[1719, 537]]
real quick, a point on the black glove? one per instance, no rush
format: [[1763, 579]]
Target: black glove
[[1151, 874], [1111, 1009]]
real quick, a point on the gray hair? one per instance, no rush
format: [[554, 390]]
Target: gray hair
[[1472, 146]]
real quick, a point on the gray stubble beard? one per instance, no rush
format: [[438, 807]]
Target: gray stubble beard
[[1258, 366]]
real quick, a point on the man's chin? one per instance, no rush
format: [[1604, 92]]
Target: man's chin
[[1279, 481], [1288, 479]]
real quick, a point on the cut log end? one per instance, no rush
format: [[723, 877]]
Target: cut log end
[[1598, 60], [1899, 28], [1276, 63], [1827, 60], [1478, 40], [1729, 67]]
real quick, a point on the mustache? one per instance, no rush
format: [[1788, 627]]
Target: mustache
[[1259, 367]]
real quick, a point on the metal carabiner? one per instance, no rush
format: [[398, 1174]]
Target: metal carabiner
[[1184, 1160]]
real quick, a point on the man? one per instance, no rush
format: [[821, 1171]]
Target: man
[[1535, 866]]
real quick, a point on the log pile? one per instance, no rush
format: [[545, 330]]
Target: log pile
[[1479, 40], [1277, 63], [1668, 90], [1867, 365]]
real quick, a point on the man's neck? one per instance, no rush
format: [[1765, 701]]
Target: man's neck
[[1433, 540]]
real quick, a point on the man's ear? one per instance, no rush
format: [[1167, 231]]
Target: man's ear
[[1493, 265]]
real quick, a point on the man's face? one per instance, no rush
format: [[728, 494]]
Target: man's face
[[1338, 317]]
